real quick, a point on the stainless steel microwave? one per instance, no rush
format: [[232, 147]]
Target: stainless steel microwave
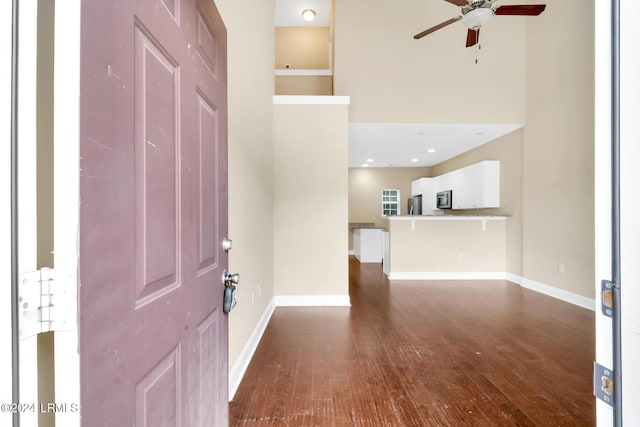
[[444, 200]]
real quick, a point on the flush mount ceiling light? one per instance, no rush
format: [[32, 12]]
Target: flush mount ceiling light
[[414, 160], [309, 15], [370, 160], [431, 150]]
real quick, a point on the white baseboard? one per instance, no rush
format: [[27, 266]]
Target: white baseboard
[[561, 294], [445, 275], [312, 301], [242, 363]]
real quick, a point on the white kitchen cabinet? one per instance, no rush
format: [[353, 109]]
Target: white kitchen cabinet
[[473, 187], [477, 186], [415, 187], [427, 188], [465, 187], [367, 244]]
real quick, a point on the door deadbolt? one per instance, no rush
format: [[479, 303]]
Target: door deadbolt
[[230, 300]]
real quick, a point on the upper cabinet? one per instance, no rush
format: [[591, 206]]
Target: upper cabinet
[[475, 186], [427, 188]]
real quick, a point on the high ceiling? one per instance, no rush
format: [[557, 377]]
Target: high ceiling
[[395, 144], [417, 144]]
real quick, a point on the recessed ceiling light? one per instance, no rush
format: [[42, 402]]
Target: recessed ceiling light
[[309, 15], [414, 160], [431, 150], [370, 160], [365, 165], [420, 133]]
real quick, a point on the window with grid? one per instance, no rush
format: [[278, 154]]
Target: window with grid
[[390, 202]]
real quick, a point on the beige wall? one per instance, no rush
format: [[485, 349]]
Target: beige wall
[[44, 120], [304, 85], [310, 199], [507, 149], [302, 47], [365, 192], [436, 246], [558, 150], [44, 156], [393, 78], [250, 88]]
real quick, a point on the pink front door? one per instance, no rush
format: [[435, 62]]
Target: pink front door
[[153, 213]]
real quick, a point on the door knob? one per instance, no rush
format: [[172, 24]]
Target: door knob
[[229, 298], [230, 279]]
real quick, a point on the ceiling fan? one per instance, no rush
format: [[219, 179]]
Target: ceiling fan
[[476, 13]]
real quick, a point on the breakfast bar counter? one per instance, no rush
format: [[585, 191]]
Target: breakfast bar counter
[[445, 247]]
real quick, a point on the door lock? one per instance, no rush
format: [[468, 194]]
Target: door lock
[[230, 279], [230, 300]]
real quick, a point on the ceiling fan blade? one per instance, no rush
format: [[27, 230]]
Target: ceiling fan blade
[[459, 2], [437, 27], [473, 36], [523, 9]]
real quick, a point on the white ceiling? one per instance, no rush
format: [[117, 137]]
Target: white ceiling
[[395, 144], [289, 13]]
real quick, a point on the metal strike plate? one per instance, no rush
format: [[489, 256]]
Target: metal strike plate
[[603, 383], [227, 244], [607, 297]]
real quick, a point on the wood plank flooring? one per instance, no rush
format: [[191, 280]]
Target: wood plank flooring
[[429, 353]]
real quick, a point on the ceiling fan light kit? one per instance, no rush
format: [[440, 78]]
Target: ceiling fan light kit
[[474, 14], [477, 17]]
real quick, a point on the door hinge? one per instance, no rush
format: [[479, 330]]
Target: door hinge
[[45, 304], [603, 383]]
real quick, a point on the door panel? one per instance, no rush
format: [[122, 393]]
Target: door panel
[[157, 182], [153, 336]]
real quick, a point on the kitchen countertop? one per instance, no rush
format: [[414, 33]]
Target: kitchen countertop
[[364, 225], [446, 217]]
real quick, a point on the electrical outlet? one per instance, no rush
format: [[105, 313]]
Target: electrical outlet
[[560, 268], [259, 289], [252, 298], [461, 255]]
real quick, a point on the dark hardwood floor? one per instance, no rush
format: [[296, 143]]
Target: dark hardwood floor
[[430, 353]]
